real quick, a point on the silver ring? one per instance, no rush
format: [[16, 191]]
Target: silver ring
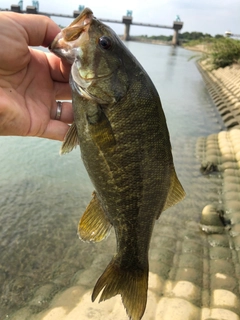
[[59, 110]]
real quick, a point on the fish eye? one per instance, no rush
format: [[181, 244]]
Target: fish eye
[[105, 42]]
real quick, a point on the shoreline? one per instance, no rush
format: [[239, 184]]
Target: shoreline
[[148, 41], [199, 48], [223, 86]]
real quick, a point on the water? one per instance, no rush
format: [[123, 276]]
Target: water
[[43, 195]]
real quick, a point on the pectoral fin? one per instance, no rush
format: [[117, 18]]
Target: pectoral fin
[[94, 225], [70, 140], [176, 192]]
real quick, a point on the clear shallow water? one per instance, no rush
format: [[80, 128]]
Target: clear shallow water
[[43, 195]]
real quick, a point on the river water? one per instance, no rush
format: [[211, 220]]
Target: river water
[[43, 194]]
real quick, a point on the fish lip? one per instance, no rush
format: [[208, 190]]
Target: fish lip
[[52, 46], [85, 14], [62, 51], [63, 44], [98, 77]]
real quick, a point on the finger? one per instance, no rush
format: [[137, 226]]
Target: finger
[[62, 90], [66, 114], [59, 69], [40, 30], [56, 130]]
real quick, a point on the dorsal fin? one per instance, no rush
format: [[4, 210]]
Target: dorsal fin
[[70, 140], [94, 225]]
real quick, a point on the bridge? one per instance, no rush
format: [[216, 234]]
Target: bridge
[[126, 20]]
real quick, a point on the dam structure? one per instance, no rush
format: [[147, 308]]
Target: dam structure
[[127, 20]]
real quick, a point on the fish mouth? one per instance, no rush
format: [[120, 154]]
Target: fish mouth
[[66, 43]]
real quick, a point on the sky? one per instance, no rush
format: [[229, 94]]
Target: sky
[[206, 16]]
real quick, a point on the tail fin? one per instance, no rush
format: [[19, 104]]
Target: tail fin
[[131, 284]]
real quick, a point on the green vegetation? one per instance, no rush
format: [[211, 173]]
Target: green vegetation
[[185, 37], [219, 51], [152, 38], [189, 36], [161, 38], [225, 52]]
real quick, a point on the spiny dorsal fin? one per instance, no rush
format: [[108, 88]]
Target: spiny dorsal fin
[[94, 225], [176, 192], [70, 140], [130, 283]]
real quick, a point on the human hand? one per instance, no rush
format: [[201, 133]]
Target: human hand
[[31, 80]]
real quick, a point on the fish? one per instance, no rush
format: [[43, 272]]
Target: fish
[[121, 129]]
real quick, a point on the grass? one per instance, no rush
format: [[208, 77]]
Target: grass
[[224, 52], [221, 52]]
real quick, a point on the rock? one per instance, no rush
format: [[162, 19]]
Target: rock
[[22, 314], [225, 299], [177, 309], [210, 220], [41, 297], [218, 313]]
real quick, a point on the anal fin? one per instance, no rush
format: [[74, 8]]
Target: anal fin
[[94, 225], [176, 192]]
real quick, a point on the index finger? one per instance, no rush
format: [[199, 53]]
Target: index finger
[[40, 30]]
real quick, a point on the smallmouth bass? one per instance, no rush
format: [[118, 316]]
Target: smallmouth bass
[[121, 129]]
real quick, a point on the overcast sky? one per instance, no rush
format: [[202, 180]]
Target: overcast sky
[[207, 16]]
